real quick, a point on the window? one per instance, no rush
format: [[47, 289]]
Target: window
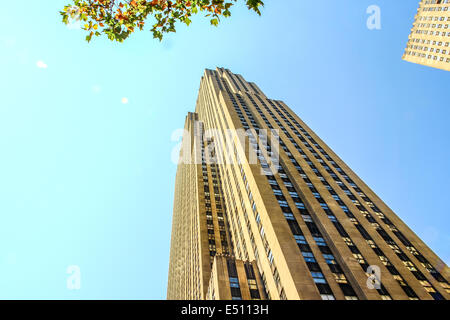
[[234, 282], [252, 284], [283, 203], [289, 215], [293, 194], [270, 256], [309, 257], [318, 277], [300, 205], [300, 239], [277, 192], [320, 241], [329, 258]]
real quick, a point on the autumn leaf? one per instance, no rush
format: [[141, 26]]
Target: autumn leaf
[[117, 20]]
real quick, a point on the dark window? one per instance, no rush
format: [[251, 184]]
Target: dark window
[[324, 288], [347, 289]]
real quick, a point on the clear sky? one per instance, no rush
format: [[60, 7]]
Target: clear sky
[[87, 180]]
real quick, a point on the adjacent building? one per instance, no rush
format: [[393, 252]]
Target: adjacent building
[[264, 209], [429, 41]]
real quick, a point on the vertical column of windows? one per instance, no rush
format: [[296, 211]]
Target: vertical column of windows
[[407, 289], [315, 270], [251, 281], [391, 243], [356, 253], [234, 280]]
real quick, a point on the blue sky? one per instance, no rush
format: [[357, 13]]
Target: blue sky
[[87, 180]]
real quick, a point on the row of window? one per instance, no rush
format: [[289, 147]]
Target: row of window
[[244, 211], [334, 195], [305, 249], [219, 210], [429, 49], [428, 57], [301, 207], [317, 236], [436, 1], [389, 240], [268, 251]]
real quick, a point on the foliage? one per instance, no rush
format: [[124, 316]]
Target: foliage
[[119, 19]]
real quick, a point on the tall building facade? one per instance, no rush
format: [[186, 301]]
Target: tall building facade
[[429, 41], [264, 209]]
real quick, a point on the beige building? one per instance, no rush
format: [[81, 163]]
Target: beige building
[[264, 209], [233, 279], [429, 41]]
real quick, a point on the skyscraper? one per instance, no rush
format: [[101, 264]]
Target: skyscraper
[[264, 209], [429, 41]]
